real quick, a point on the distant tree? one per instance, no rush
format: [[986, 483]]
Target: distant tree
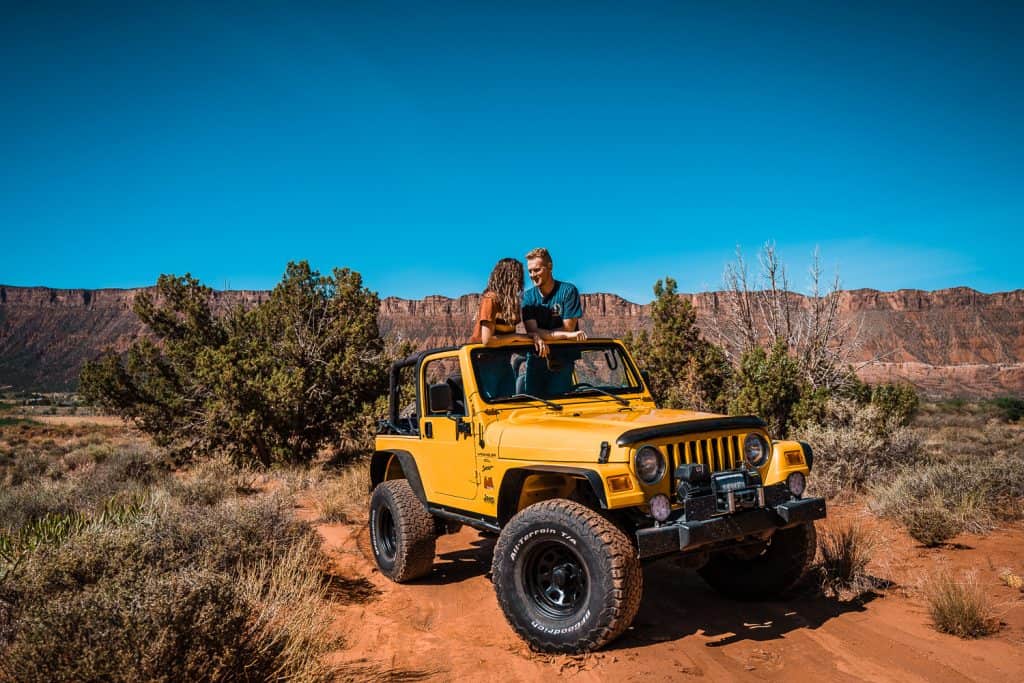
[[760, 310], [686, 371], [274, 383]]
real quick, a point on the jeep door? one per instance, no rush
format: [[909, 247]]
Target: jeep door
[[447, 448]]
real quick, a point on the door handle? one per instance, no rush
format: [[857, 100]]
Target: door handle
[[428, 429]]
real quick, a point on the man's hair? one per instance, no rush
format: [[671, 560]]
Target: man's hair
[[541, 253], [506, 282]]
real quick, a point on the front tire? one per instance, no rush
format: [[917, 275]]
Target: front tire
[[567, 579], [402, 532], [780, 566]]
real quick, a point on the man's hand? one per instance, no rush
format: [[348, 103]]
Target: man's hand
[[579, 335], [540, 346]]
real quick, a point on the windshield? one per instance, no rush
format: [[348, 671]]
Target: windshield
[[517, 372]]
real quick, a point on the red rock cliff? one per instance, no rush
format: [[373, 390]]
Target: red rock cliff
[[952, 341]]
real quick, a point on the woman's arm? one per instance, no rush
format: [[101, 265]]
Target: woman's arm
[[488, 337]]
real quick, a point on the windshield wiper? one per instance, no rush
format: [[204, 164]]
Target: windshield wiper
[[549, 404], [585, 386]]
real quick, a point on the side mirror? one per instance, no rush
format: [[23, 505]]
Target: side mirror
[[439, 398], [647, 378]]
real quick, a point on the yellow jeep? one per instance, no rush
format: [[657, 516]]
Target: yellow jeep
[[568, 460]]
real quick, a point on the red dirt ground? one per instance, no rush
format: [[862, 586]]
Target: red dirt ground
[[449, 627]]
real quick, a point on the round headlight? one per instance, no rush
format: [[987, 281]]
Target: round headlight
[[755, 449], [650, 465]]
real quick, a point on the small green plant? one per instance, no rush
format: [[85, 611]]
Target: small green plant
[[961, 608]]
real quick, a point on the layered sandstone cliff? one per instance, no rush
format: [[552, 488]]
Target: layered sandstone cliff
[[948, 342]]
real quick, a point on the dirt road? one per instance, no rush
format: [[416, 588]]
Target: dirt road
[[449, 626]]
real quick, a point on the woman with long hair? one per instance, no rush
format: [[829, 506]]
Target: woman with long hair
[[496, 321]]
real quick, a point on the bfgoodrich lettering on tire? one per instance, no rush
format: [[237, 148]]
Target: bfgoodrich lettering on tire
[[567, 579], [401, 531]]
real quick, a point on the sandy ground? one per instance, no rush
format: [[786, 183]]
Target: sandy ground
[[103, 420], [449, 627]]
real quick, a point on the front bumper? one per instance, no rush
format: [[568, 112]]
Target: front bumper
[[684, 536]]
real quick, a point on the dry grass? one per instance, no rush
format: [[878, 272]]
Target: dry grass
[[960, 607], [937, 501], [844, 552], [290, 613], [201, 581], [345, 497]]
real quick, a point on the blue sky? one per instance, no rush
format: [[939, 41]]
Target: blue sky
[[418, 143]]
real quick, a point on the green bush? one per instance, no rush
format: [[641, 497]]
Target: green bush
[[897, 403], [768, 385], [274, 383], [684, 369], [1008, 408]]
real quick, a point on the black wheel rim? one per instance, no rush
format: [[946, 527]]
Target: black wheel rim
[[387, 535], [555, 579]]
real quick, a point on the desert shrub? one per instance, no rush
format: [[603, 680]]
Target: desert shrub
[[961, 608], [853, 449], [685, 370], [844, 551], [290, 616], [188, 625], [936, 501], [178, 592], [767, 384], [345, 498], [274, 383], [896, 403], [931, 523], [19, 468], [1008, 408], [20, 505]]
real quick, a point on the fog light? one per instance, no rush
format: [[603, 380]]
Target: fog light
[[660, 507], [796, 483]]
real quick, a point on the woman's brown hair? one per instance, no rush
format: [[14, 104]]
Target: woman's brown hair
[[506, 282]]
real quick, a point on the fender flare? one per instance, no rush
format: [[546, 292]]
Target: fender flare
[[808, 454], [379, 467], [512, 484]]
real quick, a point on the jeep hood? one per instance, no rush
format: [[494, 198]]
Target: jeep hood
[[576, 434]]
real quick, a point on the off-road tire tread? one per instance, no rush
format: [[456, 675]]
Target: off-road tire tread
[[417, 535], [769, 576], [626, 574]]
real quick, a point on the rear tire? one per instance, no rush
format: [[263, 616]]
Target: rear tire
[[567, 579], [775, 571], [402, 532]]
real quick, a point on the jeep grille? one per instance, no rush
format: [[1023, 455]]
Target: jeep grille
[[718, 453]]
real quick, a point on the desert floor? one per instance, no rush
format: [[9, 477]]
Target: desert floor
[[449, 626]]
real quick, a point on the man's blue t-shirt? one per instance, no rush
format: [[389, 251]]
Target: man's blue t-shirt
[[550, 311]]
